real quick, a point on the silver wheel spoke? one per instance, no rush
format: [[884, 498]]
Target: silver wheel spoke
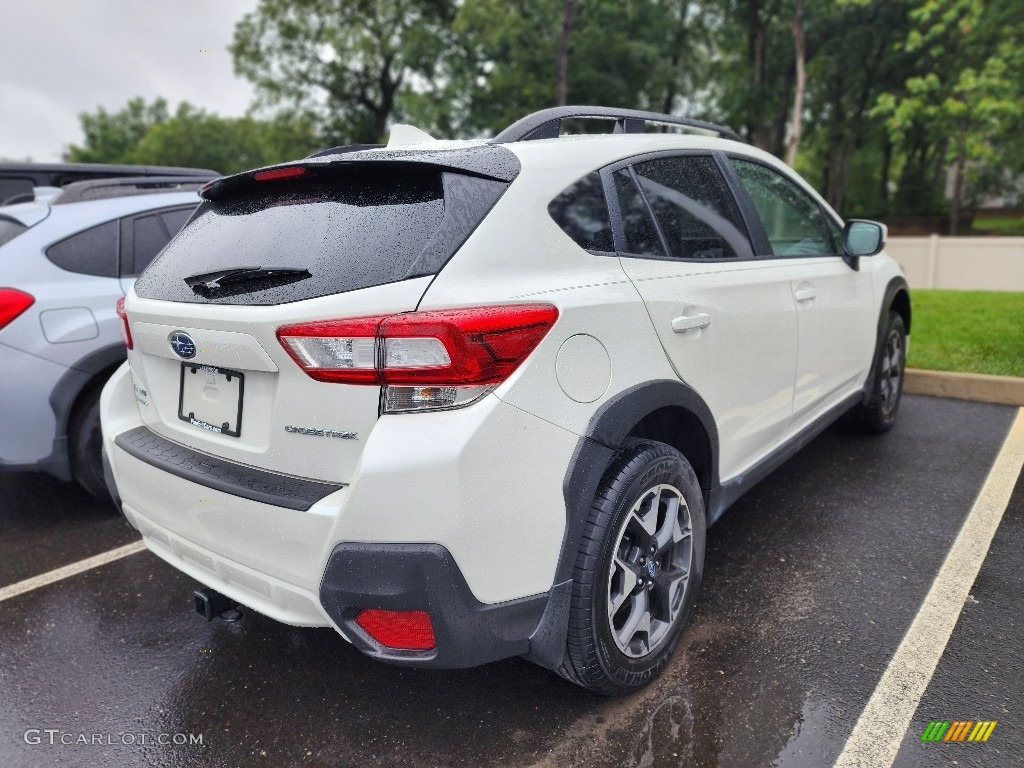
[[667, 533], [639, 619]]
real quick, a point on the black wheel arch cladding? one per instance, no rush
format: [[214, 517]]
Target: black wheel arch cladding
[[608, 428]]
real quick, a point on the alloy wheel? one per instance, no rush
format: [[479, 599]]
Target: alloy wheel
[[650, 567]]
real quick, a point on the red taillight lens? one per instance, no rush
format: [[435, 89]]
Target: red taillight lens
[[279, 173], [484, 344], [126, 331], [440, 348], [12, 303], [403, 630]]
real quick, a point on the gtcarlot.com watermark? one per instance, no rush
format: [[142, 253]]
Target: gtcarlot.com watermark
[[55, 737]]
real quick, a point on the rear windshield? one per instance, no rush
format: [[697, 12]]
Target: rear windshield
[[10, 229], [341, 230]]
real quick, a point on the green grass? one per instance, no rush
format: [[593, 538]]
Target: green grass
[[1008, 227], [968, 331]]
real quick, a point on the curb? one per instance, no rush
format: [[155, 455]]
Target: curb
[[1008, 390]]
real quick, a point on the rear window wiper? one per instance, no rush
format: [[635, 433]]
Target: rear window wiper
[[228, 282]]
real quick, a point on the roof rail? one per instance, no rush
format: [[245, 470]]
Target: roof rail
[[546, 124], [102, 189], [344, 150]]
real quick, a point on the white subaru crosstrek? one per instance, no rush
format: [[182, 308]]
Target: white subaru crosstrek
[[463, 401]]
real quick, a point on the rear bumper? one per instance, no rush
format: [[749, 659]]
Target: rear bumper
[[457, 514]]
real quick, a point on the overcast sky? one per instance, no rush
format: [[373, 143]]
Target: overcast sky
[[62, 57]]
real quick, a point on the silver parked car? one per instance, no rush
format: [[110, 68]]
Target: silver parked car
[[65, 260]]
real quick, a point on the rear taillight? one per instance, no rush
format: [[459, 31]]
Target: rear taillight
[[126, 331], [425, 360], [12, 303], [404, 630]]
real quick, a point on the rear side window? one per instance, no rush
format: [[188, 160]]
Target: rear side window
[[143, 236], [582, 213], [693, 206], [637, 226], [350, 227], [175, 220], [92, 252], [10, 229]]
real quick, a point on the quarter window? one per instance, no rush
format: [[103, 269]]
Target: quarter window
[[792, 219], [582, 213], [697, 214], [92, 252]]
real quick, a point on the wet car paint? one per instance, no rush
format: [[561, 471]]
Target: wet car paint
[[811, 581]]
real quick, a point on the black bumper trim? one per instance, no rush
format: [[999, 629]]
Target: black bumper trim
[[221, 475], [425, 577]]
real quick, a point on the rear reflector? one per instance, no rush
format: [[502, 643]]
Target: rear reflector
[[279, 173], [12, 303], [402, 630], [126, 331]]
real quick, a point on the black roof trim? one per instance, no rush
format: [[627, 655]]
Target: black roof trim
[[546, 124]]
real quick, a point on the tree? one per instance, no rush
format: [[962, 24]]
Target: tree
[[344, 61], [844, 80], [192, 137], [110, 138], [514, 58], [198, 139], [800, 87], [562, 63], [968, 94]]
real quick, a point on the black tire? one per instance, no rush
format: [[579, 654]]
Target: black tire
[[879, 413], [85, 443], [601, 655]]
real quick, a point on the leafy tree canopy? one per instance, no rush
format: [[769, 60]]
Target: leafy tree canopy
[[149, 135]]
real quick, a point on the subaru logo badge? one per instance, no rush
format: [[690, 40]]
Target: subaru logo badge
[[182, 345]]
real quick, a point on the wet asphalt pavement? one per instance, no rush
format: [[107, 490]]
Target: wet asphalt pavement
[[811, 581]]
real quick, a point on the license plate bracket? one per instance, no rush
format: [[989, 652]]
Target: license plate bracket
[[210, 398]]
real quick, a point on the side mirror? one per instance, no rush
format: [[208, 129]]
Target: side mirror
[[862, 238]]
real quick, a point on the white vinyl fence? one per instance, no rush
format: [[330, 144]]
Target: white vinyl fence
[[961, 263]]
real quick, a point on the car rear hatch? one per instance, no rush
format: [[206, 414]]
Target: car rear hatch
[[292, 244]]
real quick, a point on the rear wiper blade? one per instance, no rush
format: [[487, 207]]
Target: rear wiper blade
[[210, 283]]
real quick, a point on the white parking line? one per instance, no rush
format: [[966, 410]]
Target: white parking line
[[20, 588], [879, 731]]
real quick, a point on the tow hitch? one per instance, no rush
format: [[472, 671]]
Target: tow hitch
[[213, 605]]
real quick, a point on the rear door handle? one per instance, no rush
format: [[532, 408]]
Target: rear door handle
[[805, 294], [685, 323]]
